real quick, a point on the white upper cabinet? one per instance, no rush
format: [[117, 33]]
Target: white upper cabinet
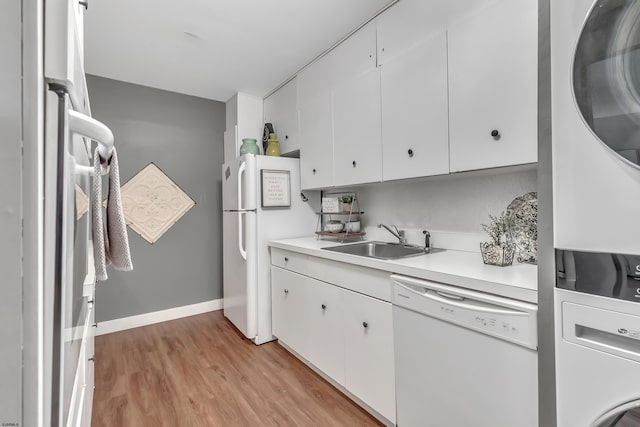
[[315, 103], [316, 142], [280, 109], [493, 72], [356, 109], [415, 132], [357, 136]]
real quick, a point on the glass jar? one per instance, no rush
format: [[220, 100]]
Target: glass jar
[[249, 146]]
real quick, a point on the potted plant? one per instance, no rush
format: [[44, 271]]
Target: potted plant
[[346, 202], [500, 250]]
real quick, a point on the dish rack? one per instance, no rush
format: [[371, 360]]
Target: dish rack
[[353, 212]]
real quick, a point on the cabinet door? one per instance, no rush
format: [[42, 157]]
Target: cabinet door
[[280, 109], [357, 135], [316, 142], [493, 86], [326, 333], [369, 368], [289, 317], [356, 110], [415, 132]]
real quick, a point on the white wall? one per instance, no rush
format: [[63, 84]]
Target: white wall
[[455, 204]]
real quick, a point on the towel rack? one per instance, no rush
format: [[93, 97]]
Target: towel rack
[[89, 127]]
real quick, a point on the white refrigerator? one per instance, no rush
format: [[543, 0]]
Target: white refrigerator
[[262, 201]]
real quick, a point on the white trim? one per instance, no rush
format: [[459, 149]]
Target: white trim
[[124, 323]]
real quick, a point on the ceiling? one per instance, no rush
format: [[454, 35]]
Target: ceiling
[[214, 48]]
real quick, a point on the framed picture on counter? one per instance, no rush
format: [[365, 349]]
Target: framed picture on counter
[[276, 188]]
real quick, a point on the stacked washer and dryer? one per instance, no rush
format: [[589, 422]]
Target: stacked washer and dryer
[[595, 48]]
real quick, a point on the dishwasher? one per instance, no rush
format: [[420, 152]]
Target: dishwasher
[[462, 357]]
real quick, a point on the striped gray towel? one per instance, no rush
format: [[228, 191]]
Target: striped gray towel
[[110, 243]]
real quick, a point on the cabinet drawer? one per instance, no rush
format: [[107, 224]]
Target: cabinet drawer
[[368, 281], [289, 260]]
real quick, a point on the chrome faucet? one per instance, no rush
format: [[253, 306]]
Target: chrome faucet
[[398, 234], [427, 241]]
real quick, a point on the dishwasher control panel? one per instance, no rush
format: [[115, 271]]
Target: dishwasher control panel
[[503, 318]]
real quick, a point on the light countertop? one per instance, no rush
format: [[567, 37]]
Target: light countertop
[[458, 268]]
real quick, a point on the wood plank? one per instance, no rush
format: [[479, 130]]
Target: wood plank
[[200, 371]]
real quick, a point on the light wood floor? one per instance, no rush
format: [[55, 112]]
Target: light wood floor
[[199, 371]]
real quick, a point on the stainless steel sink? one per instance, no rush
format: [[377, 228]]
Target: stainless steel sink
[[382, 250]]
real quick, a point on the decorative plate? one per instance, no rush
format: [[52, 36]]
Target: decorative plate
[[522, 217]]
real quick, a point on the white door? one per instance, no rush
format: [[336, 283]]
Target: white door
[[326, 331], [368, 328], [280, 109], [357, 134], [239, 274], [357, 137], [316, 142], [290, 318], [493, 74], [415, 130], [238, 184]]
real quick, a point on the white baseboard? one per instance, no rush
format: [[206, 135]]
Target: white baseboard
[[124, 323]]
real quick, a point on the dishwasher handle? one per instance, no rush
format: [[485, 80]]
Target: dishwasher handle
[[459, 301]]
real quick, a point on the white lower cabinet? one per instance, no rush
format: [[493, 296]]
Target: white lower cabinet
[[346, 335], [326, 332], [368, 327], [288, 305]]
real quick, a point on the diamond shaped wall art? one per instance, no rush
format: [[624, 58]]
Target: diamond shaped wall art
[[152, 203], [82, 203]]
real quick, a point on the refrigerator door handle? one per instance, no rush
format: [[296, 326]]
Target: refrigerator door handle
[[243, 252], [241, 170], [91, 128]]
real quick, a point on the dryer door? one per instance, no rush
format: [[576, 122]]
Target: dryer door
[[627, 415], [606, 76]]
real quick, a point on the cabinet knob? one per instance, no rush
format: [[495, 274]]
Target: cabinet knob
[[92, 359], [365, 325], [324, 306], [286, 137], [410, 152], [495, 134], [314, 171], [354, 163], [286, 291], [286, 259]]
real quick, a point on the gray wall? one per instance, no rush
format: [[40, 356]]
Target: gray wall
[[183, 136], [10, 215]]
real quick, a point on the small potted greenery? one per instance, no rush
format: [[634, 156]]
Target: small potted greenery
[[500, 250], [346, 200]]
